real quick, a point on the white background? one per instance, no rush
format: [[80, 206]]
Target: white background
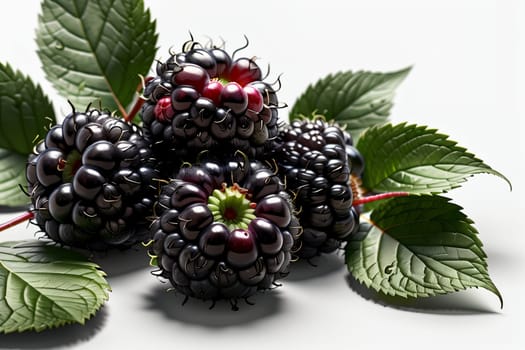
[[467, 81]]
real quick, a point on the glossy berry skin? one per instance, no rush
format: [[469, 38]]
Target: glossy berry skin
[[312, 158], [234, 98], [217, 105], [225, 230], [356, 160], [244, 71], [164, 109], [92, 182], [204, 59], [213, 91], [190, 75], [255, 99], [223, 61]]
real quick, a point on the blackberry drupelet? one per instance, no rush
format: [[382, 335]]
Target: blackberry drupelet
[[225, 230], [355, 158], [92, 182], [203, 99], [313, 161]]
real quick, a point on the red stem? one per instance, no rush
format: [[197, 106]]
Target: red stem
[[136, 108], [140, 101], [28, 215], [377, 197]]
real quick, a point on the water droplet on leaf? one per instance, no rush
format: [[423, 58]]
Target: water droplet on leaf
[[389, 268], [59, 45]]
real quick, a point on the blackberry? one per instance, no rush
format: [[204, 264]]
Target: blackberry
[[224, 231], [355, 159], [92, 181], [203, 99], [312, 158]]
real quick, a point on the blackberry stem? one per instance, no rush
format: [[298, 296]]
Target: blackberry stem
[[140, 101], [28, 215], [377, 197], [134, 110]]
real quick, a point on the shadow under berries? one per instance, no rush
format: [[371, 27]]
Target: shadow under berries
[[318, 266], [117, 262], [207, 314], [66, 336]]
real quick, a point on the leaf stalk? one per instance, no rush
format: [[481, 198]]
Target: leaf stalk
[[28, 215], [377, 197]]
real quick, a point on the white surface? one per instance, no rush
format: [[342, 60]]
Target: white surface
[[467, 81]]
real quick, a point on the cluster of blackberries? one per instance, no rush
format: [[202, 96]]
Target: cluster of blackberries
[[203, 99], [226, 194], [225, 229], [92, 181], [313, 160]]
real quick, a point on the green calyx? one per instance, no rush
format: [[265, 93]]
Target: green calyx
[[230, 206]]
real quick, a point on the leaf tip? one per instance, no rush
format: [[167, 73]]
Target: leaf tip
[[496, 291], [501, 176], [406, 70], [506, 180]]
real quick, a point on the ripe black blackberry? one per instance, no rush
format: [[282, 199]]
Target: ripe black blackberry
[[355, 158], [312, 159], [92, 181], [225, 230], [204, 99]]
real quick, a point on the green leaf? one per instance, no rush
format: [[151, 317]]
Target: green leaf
[[418, 246], [44, 286], [356, 100], [415, 159], [12, 175], [96, 50], [25, 112]]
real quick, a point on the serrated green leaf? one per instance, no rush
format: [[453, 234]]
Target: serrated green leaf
[[415, 159], [12, 176], [95, 50], [44, 286], [25, 112], [356, 100], [418, 246]]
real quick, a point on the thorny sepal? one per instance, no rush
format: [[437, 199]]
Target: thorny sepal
[[231, 207]]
